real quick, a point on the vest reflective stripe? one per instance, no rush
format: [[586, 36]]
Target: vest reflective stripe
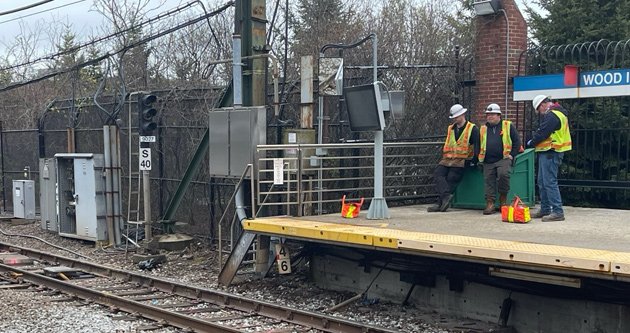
[[559, 140], [460, 148], [505, 138]]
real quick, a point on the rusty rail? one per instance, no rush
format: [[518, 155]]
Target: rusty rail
[[313, 320]]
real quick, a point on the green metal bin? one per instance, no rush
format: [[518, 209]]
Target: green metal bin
[[470, 194]]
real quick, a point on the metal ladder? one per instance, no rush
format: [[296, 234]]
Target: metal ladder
[[134, 196]]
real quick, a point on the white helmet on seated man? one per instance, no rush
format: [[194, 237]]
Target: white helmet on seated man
[[493, 108], [457, 110]]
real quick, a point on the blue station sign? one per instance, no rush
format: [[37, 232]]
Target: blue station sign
[[573, 84]]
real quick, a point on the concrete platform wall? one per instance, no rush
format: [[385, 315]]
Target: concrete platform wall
[[529, 313]]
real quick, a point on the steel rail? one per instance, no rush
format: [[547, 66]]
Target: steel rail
[[127, 305], [313, 320]]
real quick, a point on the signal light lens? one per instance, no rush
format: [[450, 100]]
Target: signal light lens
[[149, 113], [147, 100], [148, 127]]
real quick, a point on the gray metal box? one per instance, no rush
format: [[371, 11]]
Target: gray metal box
[[81, 196], [294, 136], [234, 135], [24, 199], [47, 190]]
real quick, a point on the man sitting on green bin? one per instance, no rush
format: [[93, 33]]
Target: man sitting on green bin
[[500, 144], [460, 150]]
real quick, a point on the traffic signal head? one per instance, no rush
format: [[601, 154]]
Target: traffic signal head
[[146, 112]]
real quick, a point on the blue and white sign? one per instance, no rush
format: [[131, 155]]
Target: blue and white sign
[[614, 82]]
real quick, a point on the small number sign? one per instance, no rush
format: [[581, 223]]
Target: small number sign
[[283, 259], [145, 159]]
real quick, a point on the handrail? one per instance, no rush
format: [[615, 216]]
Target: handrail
[[314, 184], [238, 184], [347, 145]]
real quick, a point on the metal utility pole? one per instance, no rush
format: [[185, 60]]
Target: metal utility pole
[[252, 22], [146, 126], [378, 207], [146, 196]]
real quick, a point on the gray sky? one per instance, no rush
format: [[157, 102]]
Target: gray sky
[[79, 14]]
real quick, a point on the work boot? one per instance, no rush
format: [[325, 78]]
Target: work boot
[[434, 208], [553, 217], [502, 199], [539, 214], [446, 202], [489, 207]]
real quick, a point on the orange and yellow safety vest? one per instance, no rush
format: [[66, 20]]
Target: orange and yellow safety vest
[[559, 140], [460, 148]]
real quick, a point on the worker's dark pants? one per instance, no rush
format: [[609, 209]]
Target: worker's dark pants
[[446, 179], [497, 178]]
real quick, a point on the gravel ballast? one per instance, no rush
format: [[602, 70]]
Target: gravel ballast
[[197, 265]]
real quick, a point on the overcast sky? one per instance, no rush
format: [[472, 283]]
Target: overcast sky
[[76, 12], [80, 14]]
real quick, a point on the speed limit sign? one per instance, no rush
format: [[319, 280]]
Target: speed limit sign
[[145, 159]]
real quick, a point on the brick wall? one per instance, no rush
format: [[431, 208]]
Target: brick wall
[[490, 60]]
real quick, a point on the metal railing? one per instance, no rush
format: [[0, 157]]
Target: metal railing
[[310, 179]]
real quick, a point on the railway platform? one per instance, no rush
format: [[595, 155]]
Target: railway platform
[[594, 242], [567, 276]]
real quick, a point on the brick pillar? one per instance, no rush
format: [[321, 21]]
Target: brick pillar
[[490, 60]]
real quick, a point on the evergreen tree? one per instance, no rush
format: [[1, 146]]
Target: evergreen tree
[[322, 22], [71, 56], [94, 72], [578, 21]]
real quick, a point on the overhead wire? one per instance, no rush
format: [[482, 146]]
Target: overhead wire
[[124, 48], [273, 20], [40, 12], [203, 7], [119, 104], [25, 7], [103, 38]]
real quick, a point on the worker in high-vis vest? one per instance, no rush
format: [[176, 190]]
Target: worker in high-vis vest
[[500, 144], [460, 150], [552, 139]]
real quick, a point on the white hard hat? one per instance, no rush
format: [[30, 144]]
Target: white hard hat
[[493, 108], [538, 100], [457, 110]]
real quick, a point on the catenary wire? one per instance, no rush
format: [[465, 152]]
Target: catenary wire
[[100, 39], [33, 5], [40, 12], [109, 54]]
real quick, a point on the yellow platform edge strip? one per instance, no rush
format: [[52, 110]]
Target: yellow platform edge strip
[[546, 255]]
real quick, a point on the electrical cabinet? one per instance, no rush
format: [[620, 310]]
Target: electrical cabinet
[[47, 190], [234, 135], [80, 196], [24, 199]]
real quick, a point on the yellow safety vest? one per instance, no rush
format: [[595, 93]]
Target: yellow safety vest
[[505, 138], [559, 140], [460, 148]]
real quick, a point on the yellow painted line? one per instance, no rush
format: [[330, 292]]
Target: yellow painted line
[[473, 247]]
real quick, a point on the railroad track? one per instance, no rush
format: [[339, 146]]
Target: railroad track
[[170, 303]]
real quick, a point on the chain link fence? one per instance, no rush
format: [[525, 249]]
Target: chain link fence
[[182, 119]]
